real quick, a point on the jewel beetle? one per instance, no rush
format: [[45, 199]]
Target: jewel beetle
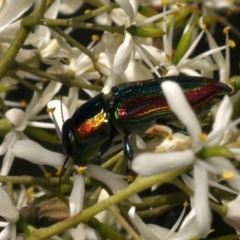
[[129, 106]]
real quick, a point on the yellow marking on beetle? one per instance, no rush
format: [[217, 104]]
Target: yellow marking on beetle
[[92, 125]]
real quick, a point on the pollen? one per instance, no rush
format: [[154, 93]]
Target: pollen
[[169, 58], [95, 38], [50, 110], [47, 174], [231, 43], [30, 192], [130, 178], [179, 5], [186, 204], [87, 11], [226, 29], [80, 170], [59, 170], [164, 2], [228, 175], [196, 10], [24, 103], [203, 137], [204, 27]]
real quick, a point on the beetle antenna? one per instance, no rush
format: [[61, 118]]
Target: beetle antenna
[[62, 172]]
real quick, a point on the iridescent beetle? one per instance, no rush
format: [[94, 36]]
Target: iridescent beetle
[[129, 106]]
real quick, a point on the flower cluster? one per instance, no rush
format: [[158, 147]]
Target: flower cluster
[[152, 100]]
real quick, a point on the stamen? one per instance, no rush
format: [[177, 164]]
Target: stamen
[[231, 43], [169, 58], [228, 175], [80, 170], [204, 27], [130, 178], [50, 110], [165, 2], [59, 170], [30, 192], [87, 11], [226, 29], [186, 204], [196, 11], [203, 137], [47, 174], [95, 38], [24, 103]]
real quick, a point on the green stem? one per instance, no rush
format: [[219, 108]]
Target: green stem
[[124, 223], [9, 189], [24, 226], [76, 44], [30, 180], [138, 186], [96, 12], [156, 212], [52, 23], [42, 9], [220, 209], [182, 186], [58, 78], [105, 230], [7, 61], [161, 200], [26, 83], [113, 160]]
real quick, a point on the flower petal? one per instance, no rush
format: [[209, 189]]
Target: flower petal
[[149, 163], [18, 118], [222, 118], [77, 195], [201, 204], [179, 105], [112, 180], [12, 10], [35, 153], [7, 209], [144, 230]]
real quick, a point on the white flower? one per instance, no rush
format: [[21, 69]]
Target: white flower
[[153, 163], [35, 153], [80, 66], [10, 213], [187, 230], [130, 44], [232, 216], [70, 6], [10, 11], [20, 120]]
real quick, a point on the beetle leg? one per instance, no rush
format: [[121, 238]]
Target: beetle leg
[[174, 128], [127, 148], [102, 150]]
